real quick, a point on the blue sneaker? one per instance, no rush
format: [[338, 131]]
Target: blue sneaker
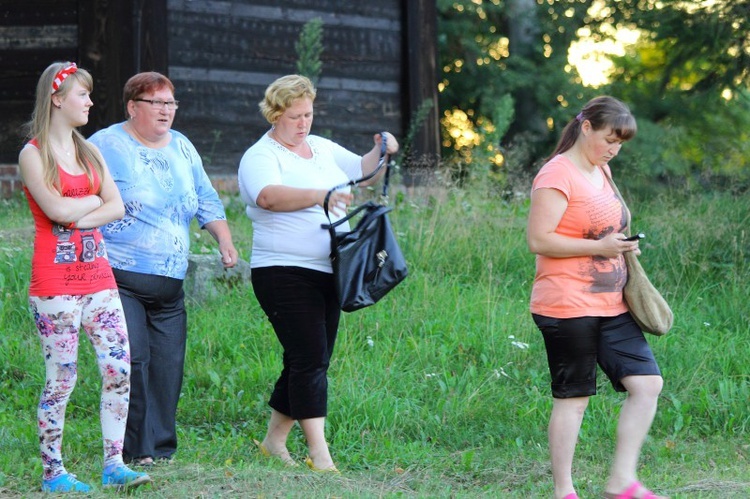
[[67, 482], [122, 477]]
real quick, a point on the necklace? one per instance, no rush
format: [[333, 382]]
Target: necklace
[[67, 151], [303, 150]]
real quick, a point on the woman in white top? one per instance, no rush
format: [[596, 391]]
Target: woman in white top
[[283, 179]]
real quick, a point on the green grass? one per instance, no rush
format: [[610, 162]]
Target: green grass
[[441, 389]]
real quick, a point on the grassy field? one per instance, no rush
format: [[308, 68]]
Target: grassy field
[[441, 389]]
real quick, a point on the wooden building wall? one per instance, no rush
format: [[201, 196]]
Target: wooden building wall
[[221, 55], [31, 36]]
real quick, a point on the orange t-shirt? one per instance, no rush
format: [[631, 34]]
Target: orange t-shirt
[[586, 285], [65, 261]]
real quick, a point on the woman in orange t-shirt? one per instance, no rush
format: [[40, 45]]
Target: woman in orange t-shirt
[[575, 229], [71, 194]]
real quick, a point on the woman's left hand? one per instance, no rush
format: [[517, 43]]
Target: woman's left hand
[[219, 230], [229, 256], [391, 144]]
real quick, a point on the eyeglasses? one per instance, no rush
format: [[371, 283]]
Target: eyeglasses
[[158, 104]]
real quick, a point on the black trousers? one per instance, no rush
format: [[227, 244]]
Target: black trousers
[[157, 327], [302, 306]]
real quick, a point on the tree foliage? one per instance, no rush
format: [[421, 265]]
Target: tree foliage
[[505, 67], [705, 45], [508, 82], [687, 79], [309, 47]]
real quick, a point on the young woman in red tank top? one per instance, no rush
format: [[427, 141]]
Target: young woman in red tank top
[[71, 194]]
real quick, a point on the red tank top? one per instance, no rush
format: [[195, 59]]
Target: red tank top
[[67, 261]]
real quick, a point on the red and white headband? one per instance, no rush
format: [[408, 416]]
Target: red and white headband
[[62, 74]]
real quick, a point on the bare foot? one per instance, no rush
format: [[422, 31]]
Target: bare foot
[[331, 468], [281, 453]]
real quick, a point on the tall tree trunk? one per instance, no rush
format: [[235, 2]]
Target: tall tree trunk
[[523, 33]]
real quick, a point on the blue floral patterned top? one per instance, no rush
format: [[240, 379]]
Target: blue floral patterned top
[[163, 189]]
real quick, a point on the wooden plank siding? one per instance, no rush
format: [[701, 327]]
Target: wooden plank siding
[[221, 55], [32, 35]]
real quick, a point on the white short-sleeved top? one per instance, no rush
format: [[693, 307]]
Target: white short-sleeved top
[[293, 238]]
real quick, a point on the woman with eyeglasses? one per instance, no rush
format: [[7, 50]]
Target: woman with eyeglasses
[[70, 194], [163, 184]]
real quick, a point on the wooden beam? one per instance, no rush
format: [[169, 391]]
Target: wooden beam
[[422, 75], [117, 39], [151, 35]]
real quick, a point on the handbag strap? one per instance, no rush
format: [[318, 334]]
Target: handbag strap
[[622, 200], [353, 183]]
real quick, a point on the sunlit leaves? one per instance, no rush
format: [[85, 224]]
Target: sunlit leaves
[[459, 131], [706, 43], [483, 63]]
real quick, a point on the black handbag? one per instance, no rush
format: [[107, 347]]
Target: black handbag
[[367, 261]]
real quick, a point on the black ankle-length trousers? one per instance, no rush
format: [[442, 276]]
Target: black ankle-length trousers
[[302, 306]]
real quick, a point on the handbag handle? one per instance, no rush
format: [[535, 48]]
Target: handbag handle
[[353, 183], [622, 200], [354, 213]]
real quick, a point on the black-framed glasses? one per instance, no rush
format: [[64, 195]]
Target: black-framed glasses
[[158, 104]]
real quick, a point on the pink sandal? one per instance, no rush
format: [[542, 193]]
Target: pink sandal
[[630, 492], [572, 495]]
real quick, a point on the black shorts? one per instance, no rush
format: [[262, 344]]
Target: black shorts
[[575, 346]]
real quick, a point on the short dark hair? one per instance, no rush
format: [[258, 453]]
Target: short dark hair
[[144, 83]]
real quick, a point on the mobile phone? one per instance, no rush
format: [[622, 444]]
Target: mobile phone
[[635, 237]]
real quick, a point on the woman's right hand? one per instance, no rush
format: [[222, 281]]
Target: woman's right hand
[[613, 245], [338, 202]]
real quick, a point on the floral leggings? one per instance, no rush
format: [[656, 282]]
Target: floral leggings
[[59, 319]]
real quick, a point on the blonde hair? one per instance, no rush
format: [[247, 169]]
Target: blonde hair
[[38, 127], [282, 93]]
